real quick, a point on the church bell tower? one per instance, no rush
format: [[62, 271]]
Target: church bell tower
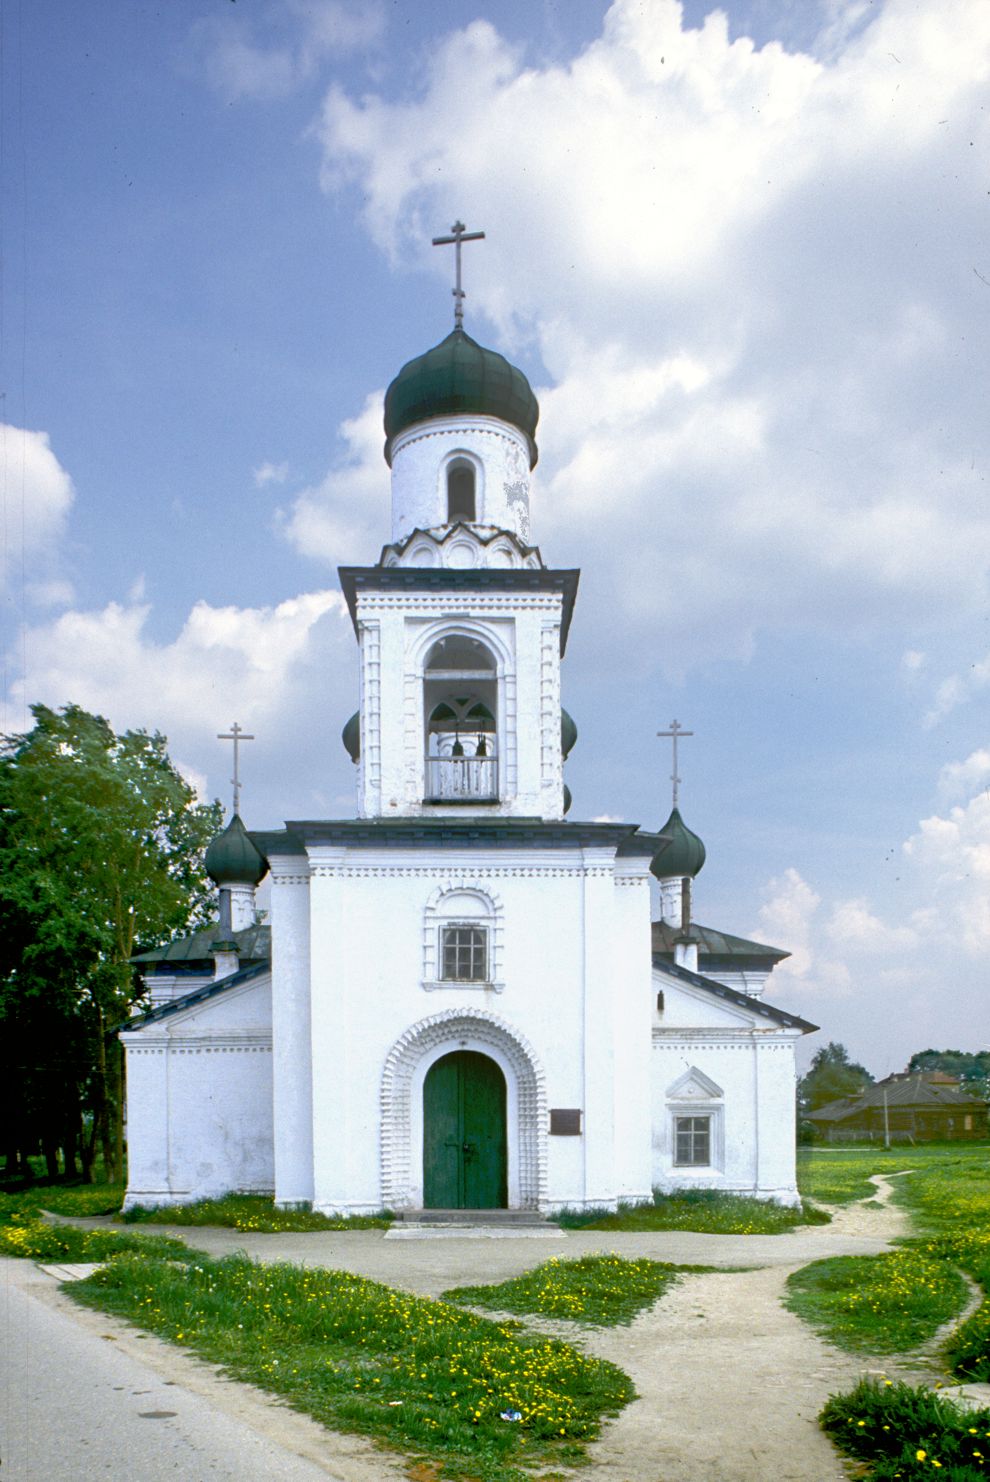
[[461, 625]]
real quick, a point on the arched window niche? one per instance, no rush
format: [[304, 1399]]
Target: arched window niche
[[462, 491], [462, 939], [460, 707]]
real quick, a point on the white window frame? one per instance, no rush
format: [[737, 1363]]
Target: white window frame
[[462, 904]]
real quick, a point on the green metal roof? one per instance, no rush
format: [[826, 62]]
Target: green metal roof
[[254, 944], [452, 833], [458, 377], [714, 944]]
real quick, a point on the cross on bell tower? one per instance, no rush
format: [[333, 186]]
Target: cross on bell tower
[[460, 234]]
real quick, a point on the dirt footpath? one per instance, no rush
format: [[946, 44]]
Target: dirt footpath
[[730, 1383]]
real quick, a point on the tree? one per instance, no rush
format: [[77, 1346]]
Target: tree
[[101, 849], [831, 1075]]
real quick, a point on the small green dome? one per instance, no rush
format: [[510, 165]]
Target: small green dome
[[232, 858], [567, 799], [460, 376], [568, 732], [351, 737], [681, 853]]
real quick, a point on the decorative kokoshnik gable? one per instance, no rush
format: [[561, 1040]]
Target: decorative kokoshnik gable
[[461, 999]]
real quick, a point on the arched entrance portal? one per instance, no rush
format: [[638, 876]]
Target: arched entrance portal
[[464, 1133]]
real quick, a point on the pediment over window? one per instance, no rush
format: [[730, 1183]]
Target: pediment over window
[[694, 1085]]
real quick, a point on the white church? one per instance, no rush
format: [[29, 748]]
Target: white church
[[461, 1000]]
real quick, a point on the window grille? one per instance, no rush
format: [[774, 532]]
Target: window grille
[[692, 1141], [465, 954]]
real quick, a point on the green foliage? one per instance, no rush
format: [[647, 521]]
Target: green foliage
[[26, 1236], [907, 1433], [831, 1075], [421, 1376], [706, 1210], [255, 1212], [598, 1289], [101, 846], [881, 1304]]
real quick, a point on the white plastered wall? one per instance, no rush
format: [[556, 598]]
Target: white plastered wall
[[499, 454], [568, 996], [199, 1100], [747, 1061]]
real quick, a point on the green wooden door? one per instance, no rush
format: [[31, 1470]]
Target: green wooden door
[[464, 1142]]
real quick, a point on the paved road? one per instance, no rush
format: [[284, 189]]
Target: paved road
[[83, 1398]]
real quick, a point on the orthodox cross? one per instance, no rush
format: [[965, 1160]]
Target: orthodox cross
[[460, 234], [675, 732], [236, 735]]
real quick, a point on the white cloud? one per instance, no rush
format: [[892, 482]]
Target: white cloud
[[957, 689], [36, 494], [854, 927], [348, 510], [912, 662], [787, 917], [269, 58], [748, 273], [270, 473], [963, 779], [261, 666]]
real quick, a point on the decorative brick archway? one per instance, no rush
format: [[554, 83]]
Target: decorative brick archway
[[450, 1031]]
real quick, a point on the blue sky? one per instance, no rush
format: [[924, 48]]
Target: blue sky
[[743, 258]]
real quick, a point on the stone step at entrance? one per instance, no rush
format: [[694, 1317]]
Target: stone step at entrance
[[472, 1224]]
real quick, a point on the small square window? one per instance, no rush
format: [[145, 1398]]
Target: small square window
[[464, 953], [692, 1142]]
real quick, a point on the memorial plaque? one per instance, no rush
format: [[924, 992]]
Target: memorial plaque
[[565, 1121]]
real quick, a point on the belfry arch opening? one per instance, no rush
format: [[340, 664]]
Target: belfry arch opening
[[460, 706], [461, 491]]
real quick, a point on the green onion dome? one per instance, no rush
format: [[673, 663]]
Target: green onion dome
[[455, 378], [567, 799], [351, 737], [568, 732], [232, 858], [680, 853]]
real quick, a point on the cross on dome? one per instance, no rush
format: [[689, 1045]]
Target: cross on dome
[[675, 733], [460, 234], [236, 735]]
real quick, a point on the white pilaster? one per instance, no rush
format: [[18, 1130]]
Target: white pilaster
[[291, 1030]]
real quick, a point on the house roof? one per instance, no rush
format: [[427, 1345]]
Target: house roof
[[734, 996], [717, 944], [898, 1091], [198, 995], [254, 944]]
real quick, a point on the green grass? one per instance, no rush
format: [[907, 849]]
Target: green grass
[[71, 1200], [841, 1175], [250, 1212], [27, 1236], [881, 1304], [597, 1289], [705, 1210], [420, 1376], [911, 1434]]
